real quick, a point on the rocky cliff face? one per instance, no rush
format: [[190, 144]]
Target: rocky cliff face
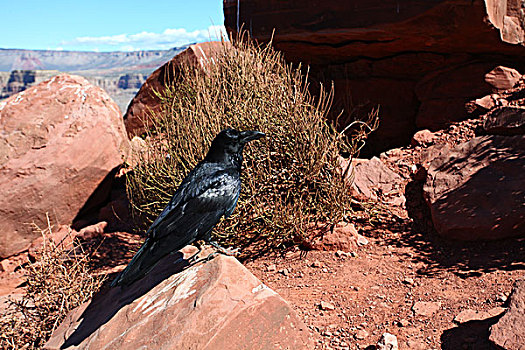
[[4, 78], [131, 81], [420, 61]]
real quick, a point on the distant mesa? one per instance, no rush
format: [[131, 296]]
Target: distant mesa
[[76, 61], [120, 73], [131, 81], [19, 80]]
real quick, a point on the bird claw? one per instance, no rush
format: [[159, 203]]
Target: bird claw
[[211, 256], [225, 251], [194, 257]]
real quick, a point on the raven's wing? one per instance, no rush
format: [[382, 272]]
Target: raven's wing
[[193, 211], [196, 182], [197, 207]]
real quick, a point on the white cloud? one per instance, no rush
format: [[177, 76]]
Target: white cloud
[[147, 41]]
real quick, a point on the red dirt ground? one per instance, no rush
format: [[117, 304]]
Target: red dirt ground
[[376, 290], [405, 262]]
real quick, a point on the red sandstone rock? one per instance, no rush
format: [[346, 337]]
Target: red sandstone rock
[[507, 16], [381, 53], [469, 315], [344, 237], [502, 78], [373, 177], [146, 103], [487, 102], [475, 189], [425, 308], [14, 262], [444, 92], [509, 332], [58, 142], [431, 153], [92, 231], [333, 29], [213, 305]]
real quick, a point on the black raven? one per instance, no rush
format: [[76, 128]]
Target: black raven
[[208, 192]]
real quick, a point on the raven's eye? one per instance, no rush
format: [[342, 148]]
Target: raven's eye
[[232, 133]]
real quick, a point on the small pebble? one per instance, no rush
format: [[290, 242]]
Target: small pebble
[[326, 306]]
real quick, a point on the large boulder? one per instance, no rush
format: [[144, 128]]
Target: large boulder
[[509, 332], [419, 60], [58, 141], [475, 189], [213, 305], [147, 101]]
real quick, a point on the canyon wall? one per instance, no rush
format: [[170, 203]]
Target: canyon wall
[[419, 61]]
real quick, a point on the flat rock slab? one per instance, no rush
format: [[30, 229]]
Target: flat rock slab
[[213, 305], [509, 332], [474, 315]]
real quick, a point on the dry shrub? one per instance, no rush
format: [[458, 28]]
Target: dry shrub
[[57, 282], [292, 179]]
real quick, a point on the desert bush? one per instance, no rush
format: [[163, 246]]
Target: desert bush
[[292, 179], [56, 282]]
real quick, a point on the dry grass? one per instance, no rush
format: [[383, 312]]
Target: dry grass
[[57, 282], [292, 179]]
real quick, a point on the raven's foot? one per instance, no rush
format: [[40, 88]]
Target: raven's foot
[[193, 258], [211, 256], [225, 251]]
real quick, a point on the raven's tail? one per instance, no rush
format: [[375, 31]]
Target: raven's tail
[[137, 267]]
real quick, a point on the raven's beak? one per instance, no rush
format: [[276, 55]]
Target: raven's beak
[[247, 136]]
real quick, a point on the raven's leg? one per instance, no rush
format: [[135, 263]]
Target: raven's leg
[[220, 250], [229, 251]]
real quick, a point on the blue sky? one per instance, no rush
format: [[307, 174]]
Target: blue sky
[[110, 25]]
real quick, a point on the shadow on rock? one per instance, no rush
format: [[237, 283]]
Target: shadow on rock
[[470, 335], [108, 302], [465, 259]]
